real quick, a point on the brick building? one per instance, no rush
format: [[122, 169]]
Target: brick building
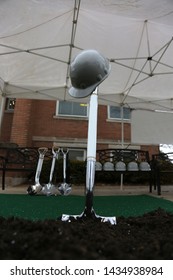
[[36, 123]]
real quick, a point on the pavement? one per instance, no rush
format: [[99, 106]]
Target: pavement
[[103, 190]]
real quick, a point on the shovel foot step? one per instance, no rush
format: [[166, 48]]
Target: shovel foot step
[[85, 216]]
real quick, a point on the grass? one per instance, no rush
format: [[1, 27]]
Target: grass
[[43, 207]]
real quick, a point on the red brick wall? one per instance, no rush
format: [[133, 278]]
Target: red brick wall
[[151, 149], [109, 129], [6, 127], [22, 123], [37, 118], [45, 123]]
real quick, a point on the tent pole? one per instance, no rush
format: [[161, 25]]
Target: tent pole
[[122, 141], [2, 106]]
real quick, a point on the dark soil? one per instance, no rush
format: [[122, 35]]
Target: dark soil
[[146, 237]]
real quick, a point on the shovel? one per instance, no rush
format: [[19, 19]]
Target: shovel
[[89, 212], [50, 188], [37, 187], [64, 188]]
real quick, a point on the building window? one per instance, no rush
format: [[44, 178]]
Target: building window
[[10, 104], [77, 154], [66, 108], [114, 112]]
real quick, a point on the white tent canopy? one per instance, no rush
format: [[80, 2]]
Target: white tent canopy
[[39, 38]]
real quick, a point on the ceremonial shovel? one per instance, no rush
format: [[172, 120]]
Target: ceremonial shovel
[[64, 188], [89, 212], [37, 187], [50, 188]]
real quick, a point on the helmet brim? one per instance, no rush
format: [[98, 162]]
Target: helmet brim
[[81, 93]]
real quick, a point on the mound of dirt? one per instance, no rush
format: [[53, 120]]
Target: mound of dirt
[[146, 237]]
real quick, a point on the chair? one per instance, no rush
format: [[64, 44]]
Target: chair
[[98, 166], [120, 166], [108, 166], [132, 166], [144, 166]]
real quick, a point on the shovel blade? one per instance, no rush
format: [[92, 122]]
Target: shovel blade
[[91, 216], [34, 189], [64, 188], [49, 189]]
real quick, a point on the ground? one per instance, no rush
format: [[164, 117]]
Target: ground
[[145, 237]]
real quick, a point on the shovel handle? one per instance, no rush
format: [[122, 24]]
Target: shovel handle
[[55, 151], [64, 163], [42, 151], [64, 152]]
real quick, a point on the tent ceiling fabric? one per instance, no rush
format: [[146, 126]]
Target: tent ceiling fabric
[[39, 38]]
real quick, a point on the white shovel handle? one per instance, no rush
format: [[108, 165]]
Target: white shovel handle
[[64, 163], [42, 152], [55, 152]]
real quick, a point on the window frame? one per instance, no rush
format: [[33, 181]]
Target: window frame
[[71, 115], [78, 149], [118, 118], [7, 104]]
